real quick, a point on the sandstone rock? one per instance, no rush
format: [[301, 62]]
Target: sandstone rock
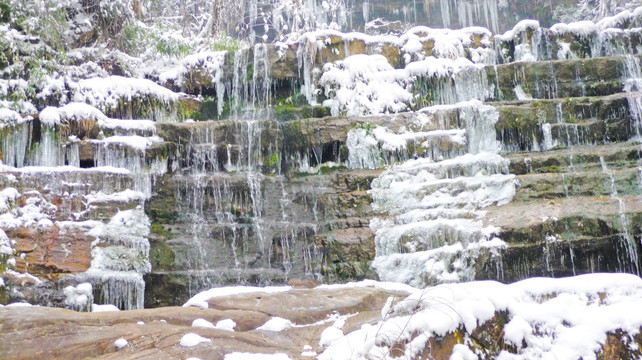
[[36, 332], [306, 283]]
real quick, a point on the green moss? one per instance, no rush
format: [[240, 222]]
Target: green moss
[[549, 169], [161, 256], [320, 111], [285, 112], [325, 170], [187, 112], [271, 164], [293, 137], [367, 126], [158, 229]]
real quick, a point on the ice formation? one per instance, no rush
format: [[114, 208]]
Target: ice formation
[[79, 298], [435, 232], [120, 257]]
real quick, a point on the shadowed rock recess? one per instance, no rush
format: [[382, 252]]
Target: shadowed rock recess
[[147, 159]]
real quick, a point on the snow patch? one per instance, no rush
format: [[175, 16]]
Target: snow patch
[[200, 299], [276, 324], [191, 340], [120, 343]]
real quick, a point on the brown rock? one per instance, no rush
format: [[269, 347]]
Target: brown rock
[[306, 306], [51, 250], [51, 333], [307, 283]]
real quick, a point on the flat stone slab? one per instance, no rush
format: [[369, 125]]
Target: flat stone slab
[[42, 332]]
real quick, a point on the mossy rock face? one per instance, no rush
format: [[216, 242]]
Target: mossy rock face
[[161, 207], [165, 290], [349, 271], [161, 256], [561, 78], [190, 108], [518, 128], [209, 109], [285, 113]]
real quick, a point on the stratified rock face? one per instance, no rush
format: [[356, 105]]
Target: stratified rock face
[[421, 156]]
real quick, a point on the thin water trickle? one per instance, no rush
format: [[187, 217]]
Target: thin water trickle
[[629, 241]]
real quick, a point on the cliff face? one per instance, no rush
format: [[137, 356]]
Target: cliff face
[[424, 157]]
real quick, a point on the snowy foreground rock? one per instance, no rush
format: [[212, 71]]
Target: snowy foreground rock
[[590, 317]]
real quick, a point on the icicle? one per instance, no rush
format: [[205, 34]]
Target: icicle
[[15, 144], [49, 151], [306, 55]]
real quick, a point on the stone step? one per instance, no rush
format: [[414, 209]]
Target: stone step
[[627, 182], [67, 180], [588, 216], [615, 156], [544, 124], [559, 78], [565, 236]]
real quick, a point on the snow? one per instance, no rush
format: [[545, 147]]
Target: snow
[[107, 92], [200, 299], [35, 209], [191, 340], [120, 343], [79, 297], [367, 84], [579, 28], [518, 29], [122, 196], [103, 308], [8, 198], [308, 351], [364, 84], [226, 324], [128, 125], [462, 352], [19, 304], [565, 318], [6, 247], [65, 169], [329, 335], [202, 323], [255, 356], [51, 116], [134, 141], [616, 20], [276, 324], [79, 111], [9, 117]]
